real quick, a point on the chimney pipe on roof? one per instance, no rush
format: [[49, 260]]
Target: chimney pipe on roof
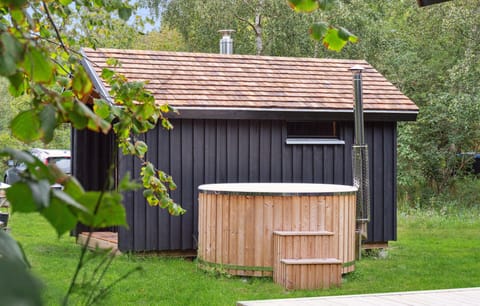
[[226, 43]]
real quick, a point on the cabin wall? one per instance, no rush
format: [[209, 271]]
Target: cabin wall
[[92, 155], [206, 151]]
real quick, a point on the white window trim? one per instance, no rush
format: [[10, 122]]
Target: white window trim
[[323, 141]]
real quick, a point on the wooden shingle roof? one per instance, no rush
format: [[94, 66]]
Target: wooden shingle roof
[[203, 81]]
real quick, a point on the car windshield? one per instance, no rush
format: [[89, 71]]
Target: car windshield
[[62, 162]]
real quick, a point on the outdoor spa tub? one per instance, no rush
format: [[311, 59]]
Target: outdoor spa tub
[[238, 224]]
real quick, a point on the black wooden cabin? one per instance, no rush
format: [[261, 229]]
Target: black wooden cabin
[[246, 119]]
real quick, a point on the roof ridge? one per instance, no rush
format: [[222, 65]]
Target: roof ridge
[[226, 56]]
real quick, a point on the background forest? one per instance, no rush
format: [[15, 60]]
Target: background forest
[[431, 54]]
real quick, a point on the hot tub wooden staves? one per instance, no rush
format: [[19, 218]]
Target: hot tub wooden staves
[[238, 227]]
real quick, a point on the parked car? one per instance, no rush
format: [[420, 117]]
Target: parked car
[[61, 158]]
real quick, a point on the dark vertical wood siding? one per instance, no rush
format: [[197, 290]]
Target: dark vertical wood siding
[[92, 154], [198, 152]]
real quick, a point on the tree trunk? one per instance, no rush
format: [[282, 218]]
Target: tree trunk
[[258, 32]]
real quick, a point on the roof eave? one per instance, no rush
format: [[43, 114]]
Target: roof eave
[[94, 77], [185, 112]]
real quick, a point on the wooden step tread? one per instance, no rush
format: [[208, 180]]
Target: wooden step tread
[[311, 261], [303, 233]]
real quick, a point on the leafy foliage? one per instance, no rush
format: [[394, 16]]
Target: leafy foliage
[[281, 30], [440, 68], [333, 38], [9, 108], [118, 33], [43, 66], [17, 285], [431, 55]]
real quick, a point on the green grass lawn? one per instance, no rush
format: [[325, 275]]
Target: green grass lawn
[[432, 252]]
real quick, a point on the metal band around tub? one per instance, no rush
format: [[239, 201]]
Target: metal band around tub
[[234, 267]]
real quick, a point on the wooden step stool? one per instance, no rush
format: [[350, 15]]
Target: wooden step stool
[[306, 260], [315, 273]]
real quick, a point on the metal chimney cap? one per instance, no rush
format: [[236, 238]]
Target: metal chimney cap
[[357, 69], [226, 32]]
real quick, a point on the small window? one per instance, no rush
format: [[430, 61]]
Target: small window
[[313, 132], [318, 129]]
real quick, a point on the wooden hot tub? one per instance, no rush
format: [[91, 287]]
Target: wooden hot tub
[[237, 224]]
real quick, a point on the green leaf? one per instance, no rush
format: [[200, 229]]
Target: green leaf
[[11, 250], [26, 126], [73, 188], [346, 35], [83, 116], [63, 81], [78, 116], [333, 41], [17, 84], [81, 84], [17, 16], [38, 66], [326, 4], [318, 30], [105, 126], [148, 170], [166, 124], [68, 200], [145, 111], [305, 6], [40, 192], [59, 216], [125, 13], [15, 3], [110, 211], [17, 285], [65, 2], [21, 198], [126, 184], [107, 74], [141, 148], [166, 108], [48, 121], [113, 62], [44, 32], [11, 52], [102, 109]]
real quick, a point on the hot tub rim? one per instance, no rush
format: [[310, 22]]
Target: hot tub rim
[[353, 190]]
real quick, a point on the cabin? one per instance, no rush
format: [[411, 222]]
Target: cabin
[[246, 118]]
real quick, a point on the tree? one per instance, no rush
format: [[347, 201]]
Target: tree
[[431, 55], [85, 30], [166, 40], [262, 26], [440, 74]]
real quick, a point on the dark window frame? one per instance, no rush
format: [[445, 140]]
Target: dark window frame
[[313, 132]]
